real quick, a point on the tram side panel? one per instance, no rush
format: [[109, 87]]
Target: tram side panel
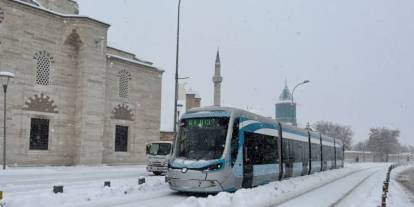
[[316, 157], [339, 157], [261, 163], [295, 155], [259, 153]]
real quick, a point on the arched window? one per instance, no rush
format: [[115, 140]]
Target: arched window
[[43, 65], [124, 77]]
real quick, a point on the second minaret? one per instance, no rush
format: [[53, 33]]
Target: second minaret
[[217, 79]]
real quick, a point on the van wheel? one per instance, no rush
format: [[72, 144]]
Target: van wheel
[[157, 173]]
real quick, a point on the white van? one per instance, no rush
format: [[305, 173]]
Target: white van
[[158, 154]]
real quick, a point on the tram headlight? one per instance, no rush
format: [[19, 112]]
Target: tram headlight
[[214, 167]]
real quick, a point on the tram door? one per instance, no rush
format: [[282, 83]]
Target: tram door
[[248, 158]]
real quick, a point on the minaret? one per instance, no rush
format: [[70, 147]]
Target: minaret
[[217, 79]]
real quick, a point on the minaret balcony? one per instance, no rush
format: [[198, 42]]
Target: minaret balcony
[[217, 79]]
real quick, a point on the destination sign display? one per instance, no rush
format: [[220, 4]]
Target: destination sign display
[[202, 123]]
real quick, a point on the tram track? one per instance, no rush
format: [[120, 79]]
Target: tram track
[[305, 192], [349, 192]]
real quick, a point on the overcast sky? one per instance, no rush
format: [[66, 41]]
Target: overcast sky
[[358, 54]]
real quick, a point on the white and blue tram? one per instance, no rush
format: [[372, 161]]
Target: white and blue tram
[[225, 149]]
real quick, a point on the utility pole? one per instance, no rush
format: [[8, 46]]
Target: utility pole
[[176, 67]]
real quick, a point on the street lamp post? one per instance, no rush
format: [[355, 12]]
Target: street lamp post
[[176, 67], [299, 84], [5, 77]]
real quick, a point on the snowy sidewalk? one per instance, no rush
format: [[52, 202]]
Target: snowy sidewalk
[[82, 185], [398, 195]]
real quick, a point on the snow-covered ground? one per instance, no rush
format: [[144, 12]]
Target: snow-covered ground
[[83, 186], [354, 185], [398, 195]]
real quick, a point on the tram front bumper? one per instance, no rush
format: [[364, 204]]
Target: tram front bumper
[[198, 186]]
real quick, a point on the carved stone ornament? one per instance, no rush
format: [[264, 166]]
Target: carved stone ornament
[[122, 112], [40, 103], [74, 39]]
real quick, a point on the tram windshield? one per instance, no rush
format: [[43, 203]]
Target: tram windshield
[[202, 138]]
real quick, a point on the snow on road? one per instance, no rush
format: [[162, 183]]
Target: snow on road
[[354, 185], [320, 189], [361, 188]]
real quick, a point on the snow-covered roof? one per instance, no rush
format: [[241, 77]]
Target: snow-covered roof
[[34, 4], [138, 62], [7, 74], [358, 152]]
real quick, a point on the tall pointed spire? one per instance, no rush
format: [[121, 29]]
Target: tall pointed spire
[[286, 94], [217, 79], [218, 56]]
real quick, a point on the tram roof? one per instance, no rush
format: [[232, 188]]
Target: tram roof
[[258, 117]]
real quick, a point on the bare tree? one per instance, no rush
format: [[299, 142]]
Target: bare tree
[[384, 141], [360, 146], [337, 131]]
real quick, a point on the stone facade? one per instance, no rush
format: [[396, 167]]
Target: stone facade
[[167, 136], [66, 73], [192, 101]]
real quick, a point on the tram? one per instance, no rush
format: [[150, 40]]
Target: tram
[[224, 149]]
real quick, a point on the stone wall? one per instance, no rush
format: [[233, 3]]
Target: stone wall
[[25, 33], [81, 94], [192, 101], [144, 105], [167, 136]]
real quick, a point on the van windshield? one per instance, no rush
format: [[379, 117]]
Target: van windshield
[[159, 149]]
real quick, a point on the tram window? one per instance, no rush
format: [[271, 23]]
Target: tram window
[[269, 145], [316, 152], [339, 153], [234, 142], [295, 146], [328, 153], [261, 149], [298, 151], [286, 151]]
